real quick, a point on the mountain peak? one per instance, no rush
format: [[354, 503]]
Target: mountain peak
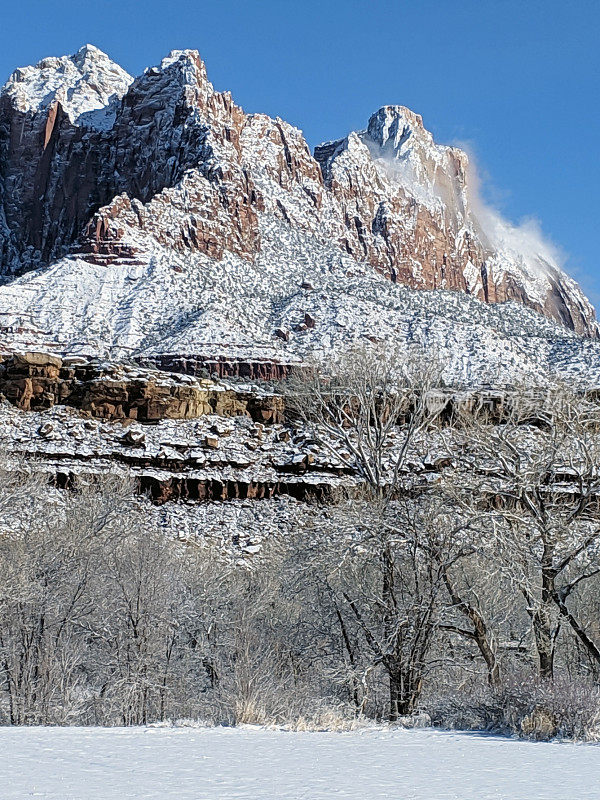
[[180, 71], [90, 53], [392, 127], [84, 82], [388, 121], [181, 62], [185, 56]]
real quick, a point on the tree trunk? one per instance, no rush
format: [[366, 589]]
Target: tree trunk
[[484, 641], [544, 627], [351, 657], [543, 643], [405, 690], [395, 689]]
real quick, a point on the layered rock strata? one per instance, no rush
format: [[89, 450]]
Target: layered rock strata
[[35, 381]]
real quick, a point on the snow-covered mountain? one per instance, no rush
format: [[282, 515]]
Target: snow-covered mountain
[[154, 218]]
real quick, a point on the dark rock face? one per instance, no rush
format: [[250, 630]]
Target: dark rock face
[[223, 367], [48, 182], [54, 159], [193, 490], [105, 166]]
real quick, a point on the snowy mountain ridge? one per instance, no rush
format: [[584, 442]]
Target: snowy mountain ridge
[[153, 218]]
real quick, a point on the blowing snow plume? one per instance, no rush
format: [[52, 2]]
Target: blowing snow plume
[[524, 240]]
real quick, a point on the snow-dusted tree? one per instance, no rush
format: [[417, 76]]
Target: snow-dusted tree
[[536, 477], [459, 545], [137, 590], [48, 561], [370, 411]]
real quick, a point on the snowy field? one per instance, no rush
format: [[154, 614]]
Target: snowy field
[[243, 763]]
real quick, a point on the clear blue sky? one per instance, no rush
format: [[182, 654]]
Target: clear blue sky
[[518, 81]]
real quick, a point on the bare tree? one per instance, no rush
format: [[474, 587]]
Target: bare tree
[[536, 476], [48, 564], [370, 411], [458, 543]]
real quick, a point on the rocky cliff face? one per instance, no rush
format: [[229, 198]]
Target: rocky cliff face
[[154, 216], [35, 381], [408, 211], [53, 153]]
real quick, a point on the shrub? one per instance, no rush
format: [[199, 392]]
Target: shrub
[[524, 707]]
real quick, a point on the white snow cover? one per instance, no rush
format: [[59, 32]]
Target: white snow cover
[[86, 84], [168, 303], [239, 763]]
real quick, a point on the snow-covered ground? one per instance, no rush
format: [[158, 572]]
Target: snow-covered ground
[[210, 764]]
